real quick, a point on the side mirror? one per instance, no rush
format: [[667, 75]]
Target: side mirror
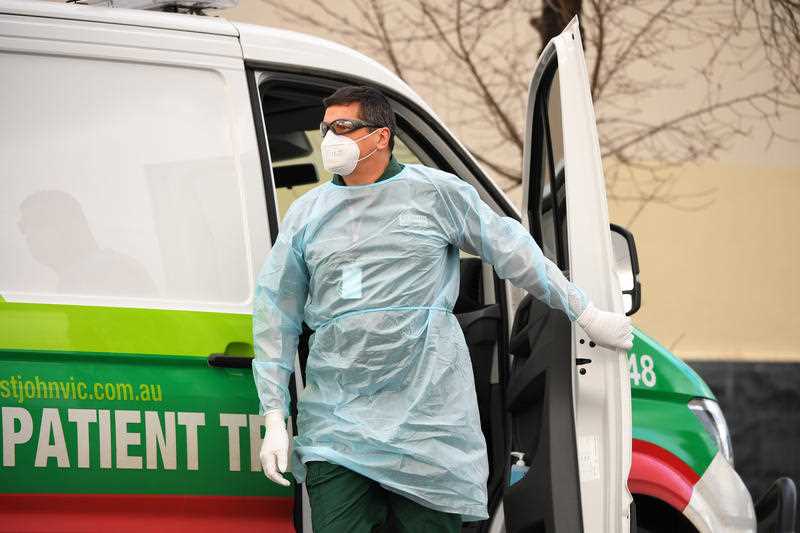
[[292, 175], [626, 263]]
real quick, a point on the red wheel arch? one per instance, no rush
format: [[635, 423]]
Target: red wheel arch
[[661, 474]]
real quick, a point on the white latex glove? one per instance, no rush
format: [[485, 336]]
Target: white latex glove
[[610, 330], [275, 448]]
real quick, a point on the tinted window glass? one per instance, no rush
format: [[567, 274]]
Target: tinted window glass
[[118, 189]]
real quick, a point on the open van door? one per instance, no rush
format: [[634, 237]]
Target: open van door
[[569, 399]]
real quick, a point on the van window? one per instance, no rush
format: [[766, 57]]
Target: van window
[[118, 190], [291, 117], [554, 205]]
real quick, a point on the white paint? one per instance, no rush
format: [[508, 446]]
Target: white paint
[[116, 16], [234, 422], [648, 371], [602, 395], [647, 375], [191, 421], [11, 436], [163, 439], [720, 501], [104, 429], [51, 427], [160, 439], [82, 418], [588, 458], [256, 424], [124, 439]]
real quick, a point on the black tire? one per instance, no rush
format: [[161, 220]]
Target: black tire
[[656, 516]]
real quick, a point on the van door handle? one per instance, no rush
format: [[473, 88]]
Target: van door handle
[[236, 355], [221, 360]]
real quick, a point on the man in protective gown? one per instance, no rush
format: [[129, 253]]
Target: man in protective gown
[[388, 423]]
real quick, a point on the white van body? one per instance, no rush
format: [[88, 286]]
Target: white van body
[[219, 65]]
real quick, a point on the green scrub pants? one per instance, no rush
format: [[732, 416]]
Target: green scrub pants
[[344, 501]]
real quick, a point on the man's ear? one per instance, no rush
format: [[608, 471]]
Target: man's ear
[[384, 136]]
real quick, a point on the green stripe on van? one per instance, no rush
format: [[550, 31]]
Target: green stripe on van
[[119, 330], [104, 400], [81, 423]]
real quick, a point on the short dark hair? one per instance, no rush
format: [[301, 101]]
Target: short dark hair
[[374, 106]]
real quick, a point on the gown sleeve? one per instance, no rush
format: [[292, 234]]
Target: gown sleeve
[[503, 242], [278, 310]]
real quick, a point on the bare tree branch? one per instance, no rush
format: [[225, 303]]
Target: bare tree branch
[[473, 60]]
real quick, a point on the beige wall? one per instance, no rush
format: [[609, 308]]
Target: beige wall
[[722, 282]]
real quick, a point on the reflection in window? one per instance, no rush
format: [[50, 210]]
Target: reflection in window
[[143, 204]]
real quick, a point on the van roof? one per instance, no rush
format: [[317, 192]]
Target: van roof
[[118, 15], [294, 49], [259, 43]]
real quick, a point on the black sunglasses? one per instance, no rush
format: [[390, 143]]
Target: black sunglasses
[[344, 125]]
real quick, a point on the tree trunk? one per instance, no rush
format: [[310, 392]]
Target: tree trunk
[[555, 15]]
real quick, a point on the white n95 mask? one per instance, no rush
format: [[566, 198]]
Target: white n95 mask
[[340, 153]]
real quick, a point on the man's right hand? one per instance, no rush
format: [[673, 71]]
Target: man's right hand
[[610, 330], [275, 448]]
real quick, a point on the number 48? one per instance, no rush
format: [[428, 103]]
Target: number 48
[[648, 374]]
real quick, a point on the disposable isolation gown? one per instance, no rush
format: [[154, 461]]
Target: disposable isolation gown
[[374, 270]]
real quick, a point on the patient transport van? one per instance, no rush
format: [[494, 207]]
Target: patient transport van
[[147, 160]]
